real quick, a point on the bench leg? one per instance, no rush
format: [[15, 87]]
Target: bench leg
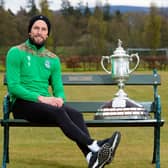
[[154, 147], [156, 150], [5, 146]]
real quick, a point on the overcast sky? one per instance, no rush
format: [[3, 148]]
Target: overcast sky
[[15, 5]]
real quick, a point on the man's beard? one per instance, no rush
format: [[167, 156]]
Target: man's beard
[[38, 45]]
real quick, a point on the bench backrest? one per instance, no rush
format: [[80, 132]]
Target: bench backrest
[[105, 79]]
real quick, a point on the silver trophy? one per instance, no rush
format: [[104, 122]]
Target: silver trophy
[[121, 105]]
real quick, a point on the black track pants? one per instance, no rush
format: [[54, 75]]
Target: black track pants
[[68, 119]]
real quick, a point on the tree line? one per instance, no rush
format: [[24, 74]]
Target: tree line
[[81, 31]]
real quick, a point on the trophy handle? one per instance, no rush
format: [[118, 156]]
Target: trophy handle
[[137, 57], [102, 63]]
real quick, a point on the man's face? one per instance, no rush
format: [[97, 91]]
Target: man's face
[[39, 32]]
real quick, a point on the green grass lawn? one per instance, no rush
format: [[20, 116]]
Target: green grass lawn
[[49, 148]]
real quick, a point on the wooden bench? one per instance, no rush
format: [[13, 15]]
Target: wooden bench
[[153, 106]]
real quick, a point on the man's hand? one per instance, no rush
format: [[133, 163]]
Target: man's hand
[[54, 101]]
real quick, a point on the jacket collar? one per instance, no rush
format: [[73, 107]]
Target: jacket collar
[[33, 47]]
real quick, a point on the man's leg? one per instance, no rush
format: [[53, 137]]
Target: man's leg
[[44, 113], [78, 119], [108, 146]]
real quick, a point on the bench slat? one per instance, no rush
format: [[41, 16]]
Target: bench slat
[[90, 123], [101, 79], [105, 79], [93, 106]]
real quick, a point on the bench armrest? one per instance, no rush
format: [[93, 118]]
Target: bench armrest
[[158, 108], [6, 106]]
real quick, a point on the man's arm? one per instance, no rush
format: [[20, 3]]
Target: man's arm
[[13, 69], [56, 80]]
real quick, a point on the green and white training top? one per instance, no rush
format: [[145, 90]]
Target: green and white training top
[[28, 71]]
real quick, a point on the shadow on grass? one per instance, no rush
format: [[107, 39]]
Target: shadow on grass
[[36, 163]]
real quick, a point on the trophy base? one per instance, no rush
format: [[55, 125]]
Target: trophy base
[[121, 108]]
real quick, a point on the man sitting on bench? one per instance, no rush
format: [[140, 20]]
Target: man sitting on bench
[[30, 67]]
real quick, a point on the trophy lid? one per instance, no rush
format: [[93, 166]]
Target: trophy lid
[[119, 50]]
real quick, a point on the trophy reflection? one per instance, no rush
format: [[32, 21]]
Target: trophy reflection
[[121, 106]]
